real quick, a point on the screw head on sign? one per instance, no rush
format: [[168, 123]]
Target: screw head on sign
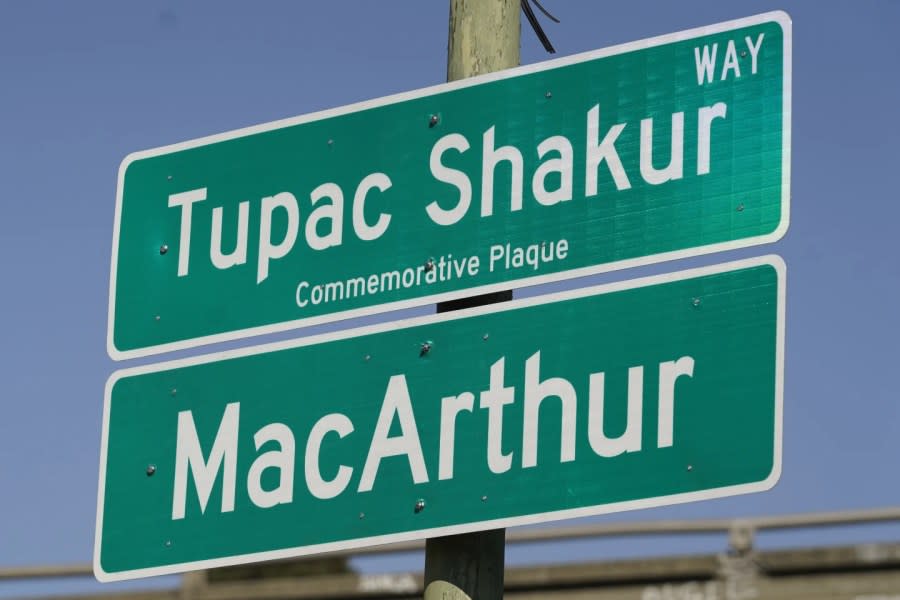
[[696, 301], [151, 469], [433, 120], [163, 249], [425, 349], [420, 506]]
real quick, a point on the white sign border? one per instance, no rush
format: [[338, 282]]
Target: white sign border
[[772, 260], [782, 18]]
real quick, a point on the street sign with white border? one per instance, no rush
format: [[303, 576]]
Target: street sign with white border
[[654, 150], [636, 394]]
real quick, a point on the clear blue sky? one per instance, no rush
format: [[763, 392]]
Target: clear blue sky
[[82, 84]]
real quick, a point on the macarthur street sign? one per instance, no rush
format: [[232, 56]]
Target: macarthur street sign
[[663, 148], [636, 394]]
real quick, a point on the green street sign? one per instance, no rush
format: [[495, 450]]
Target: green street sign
[[644, 393], [658, 149]]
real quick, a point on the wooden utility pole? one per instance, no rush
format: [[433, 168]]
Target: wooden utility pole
[[484, 37]]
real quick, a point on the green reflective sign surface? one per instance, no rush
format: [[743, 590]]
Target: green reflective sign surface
[[658, 149], [636, 394]]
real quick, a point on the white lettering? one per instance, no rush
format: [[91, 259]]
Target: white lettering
[[281, 459], [319, 486], [675, 168], [605, 150], [267, 250], [489, 159], [630, 440], [494, 399], [332, 213], [705, 65], [754, 50], [186, 201], [536, 392], [669, 372], [454, 177], [451, 406], [562, 165], [731, 61], [363, 230], [705, 117], [239, 254], [189, 456], [396, 401]]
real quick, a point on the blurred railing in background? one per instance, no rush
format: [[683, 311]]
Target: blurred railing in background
[[742, 572]]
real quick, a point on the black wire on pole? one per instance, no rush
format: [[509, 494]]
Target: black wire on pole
[[536, 25]]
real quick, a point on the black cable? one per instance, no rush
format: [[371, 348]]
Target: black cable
[[535, 24], [544, 10]]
